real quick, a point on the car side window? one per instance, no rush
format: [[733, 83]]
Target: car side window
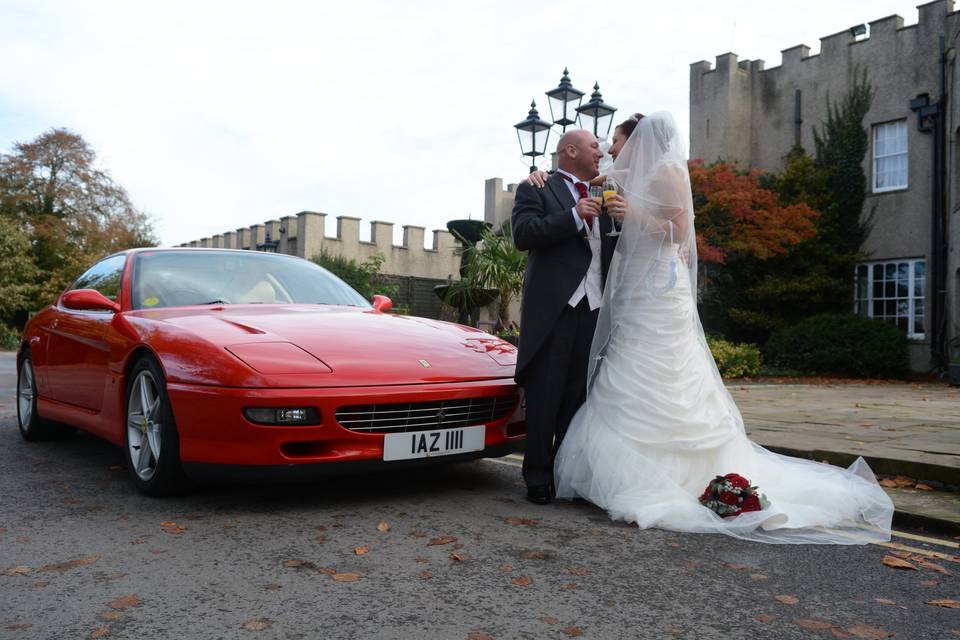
[[105, 277]]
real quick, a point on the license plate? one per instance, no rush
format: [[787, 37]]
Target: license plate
[[427, 444]]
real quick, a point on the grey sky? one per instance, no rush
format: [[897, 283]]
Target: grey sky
[[218, 115]]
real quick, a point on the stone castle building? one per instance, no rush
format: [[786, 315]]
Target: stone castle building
[[744, 112]]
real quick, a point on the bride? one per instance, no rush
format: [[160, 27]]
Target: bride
[[658, 424]]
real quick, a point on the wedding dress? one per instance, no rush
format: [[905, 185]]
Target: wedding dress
[[658, 423]]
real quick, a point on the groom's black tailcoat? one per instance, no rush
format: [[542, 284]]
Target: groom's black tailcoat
[[554, 337]]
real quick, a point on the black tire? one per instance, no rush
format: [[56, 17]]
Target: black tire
[[155, 471], [33, 428]]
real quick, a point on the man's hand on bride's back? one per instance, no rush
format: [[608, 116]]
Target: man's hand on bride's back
[[537, 179]]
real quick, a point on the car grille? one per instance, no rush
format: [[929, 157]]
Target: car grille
[[424, 416]]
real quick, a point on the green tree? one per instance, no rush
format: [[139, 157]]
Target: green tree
[[18, 272], [364, 276], [498, 264], [72, 212]]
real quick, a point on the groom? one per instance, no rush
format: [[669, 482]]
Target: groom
[[569, 253]]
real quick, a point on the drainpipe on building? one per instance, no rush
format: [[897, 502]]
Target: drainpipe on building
[[930, 119]]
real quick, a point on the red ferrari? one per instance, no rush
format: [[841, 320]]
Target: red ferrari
[[203, 362]]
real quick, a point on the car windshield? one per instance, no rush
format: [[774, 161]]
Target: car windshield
[[190, 277]]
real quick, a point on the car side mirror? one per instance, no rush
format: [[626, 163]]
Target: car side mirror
[[383, 304], [88, 300]]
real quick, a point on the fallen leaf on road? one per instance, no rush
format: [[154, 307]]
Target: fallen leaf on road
[[929, 583], [533, 555], [933, 566], [573, 632], [168, 523], [897, 563], [887, 482], [420, 534], [110, 616], [273, 586], [813, 625], [787, 599], [923, 487], [758, 576], [102, 632], [867, 632], [903, 481], [17, 571], [766, 617], [361, 550], [441, 540], [884, 601], [346, 577], [258, 624], [383, 527], [426, 575], [522, 581], [123, 602], [505, 568], [577, 571], [946, 603], [19, 627], [70, 564], [570, 585], [460, 557], [901, 554], [527, 522], [549, 620], [329, 571], [292, 564], [479, 635]]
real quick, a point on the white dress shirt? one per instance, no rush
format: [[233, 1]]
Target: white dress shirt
[[592, 284]]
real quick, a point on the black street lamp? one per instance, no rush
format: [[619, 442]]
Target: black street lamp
[[268, 245], [564, 101], [597, 114], [533, 134]]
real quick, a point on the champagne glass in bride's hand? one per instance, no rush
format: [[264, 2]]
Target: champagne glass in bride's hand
[[609, 190]]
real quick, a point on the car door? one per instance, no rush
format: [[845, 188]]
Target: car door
[[77, 350]]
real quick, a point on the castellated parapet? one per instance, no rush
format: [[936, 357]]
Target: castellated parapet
[[303, 235], [743, 112]]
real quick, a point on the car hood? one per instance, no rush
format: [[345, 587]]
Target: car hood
[[359, 347]]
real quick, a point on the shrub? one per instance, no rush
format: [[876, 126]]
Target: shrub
[[840, 344], [9, 338], [364, 277], [735, 360]]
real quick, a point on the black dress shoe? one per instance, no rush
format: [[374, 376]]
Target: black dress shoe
[[542, 494]]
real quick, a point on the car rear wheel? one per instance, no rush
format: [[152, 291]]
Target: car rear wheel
[[32, 426], [152, 443]]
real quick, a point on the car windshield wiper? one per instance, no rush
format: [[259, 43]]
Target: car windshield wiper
[[214, 302]]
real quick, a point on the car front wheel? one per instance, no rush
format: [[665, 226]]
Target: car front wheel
[[152, 443]]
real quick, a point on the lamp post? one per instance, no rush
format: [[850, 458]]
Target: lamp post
[[533, 134], [268, 245], [597, 115], [564, 101]]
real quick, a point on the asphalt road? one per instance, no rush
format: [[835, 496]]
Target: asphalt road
[[82, 555]]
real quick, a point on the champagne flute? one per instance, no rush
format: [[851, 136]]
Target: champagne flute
[[609, 189]]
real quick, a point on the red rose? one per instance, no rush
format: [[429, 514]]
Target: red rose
[[727, 497], [738, 481], [750, 503]]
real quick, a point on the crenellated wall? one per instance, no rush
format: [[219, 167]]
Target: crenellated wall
[[303, 235], [743, 112]]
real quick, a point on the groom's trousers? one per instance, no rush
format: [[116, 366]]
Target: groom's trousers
[[555, 387]]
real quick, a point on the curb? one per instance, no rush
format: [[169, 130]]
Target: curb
[[948, 476]]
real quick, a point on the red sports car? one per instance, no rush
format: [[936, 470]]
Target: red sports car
[[200, 361]]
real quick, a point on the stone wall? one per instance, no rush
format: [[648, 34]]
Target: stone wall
[[303, 235], [743, 112]]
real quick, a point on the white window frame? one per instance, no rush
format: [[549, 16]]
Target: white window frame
[[912, 298], [877, 158]]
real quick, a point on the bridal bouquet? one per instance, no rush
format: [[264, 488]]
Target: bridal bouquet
[[730, 495]]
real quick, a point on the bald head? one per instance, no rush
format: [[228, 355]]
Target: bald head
[[578, 153]]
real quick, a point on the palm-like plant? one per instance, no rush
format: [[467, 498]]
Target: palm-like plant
[[498, 264]]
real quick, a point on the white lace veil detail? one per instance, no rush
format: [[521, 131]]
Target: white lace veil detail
[[657, 237]]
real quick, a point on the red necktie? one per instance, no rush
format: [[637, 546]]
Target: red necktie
[[584, 193]]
